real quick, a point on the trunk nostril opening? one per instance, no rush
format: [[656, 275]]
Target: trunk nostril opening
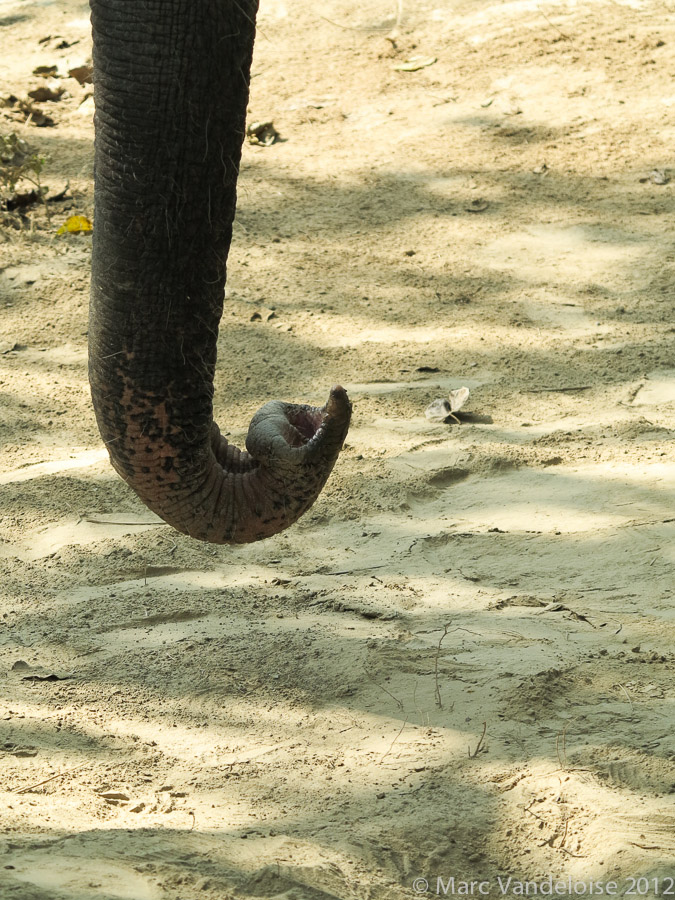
[[307, 422]]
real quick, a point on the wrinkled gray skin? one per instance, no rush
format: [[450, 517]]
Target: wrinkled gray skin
[[171, 88]]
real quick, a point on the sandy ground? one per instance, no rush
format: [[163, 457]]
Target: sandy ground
[[460, 663]]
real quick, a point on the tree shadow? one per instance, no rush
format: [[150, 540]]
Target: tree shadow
[[407, 604]]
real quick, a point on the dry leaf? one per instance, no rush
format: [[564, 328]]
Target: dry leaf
[[75, 225], [441, 409], [34, 115], [659, 176], [83, 74], [263, 133], [113, 795], [415, 63], [458, 398], [438, 410], [47, 92], [45, 71], [264, 314]]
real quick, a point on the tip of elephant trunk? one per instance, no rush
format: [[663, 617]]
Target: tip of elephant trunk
[[338, 404], [291, 450], [238, 497], [293, 435]]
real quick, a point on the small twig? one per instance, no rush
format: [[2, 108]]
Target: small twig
[[553, 25], [31, 787], [558, 390], [443, 100], [346, 571], [437, 690], [612, 587], [626, 693], [96, 521], [394, 741], [377, 684], [562, 759], [475, 633], [89, 652], [575, 855], [479, 745], [339, 25], [564, 837], [528, 809]]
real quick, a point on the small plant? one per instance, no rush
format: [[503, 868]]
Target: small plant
[[20, 162]]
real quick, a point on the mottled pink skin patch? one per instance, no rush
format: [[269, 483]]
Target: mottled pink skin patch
[[220, 493]]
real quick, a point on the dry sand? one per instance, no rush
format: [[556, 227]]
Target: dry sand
[[460, 663]]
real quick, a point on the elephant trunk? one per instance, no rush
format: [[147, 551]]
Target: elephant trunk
[[171, 88]]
